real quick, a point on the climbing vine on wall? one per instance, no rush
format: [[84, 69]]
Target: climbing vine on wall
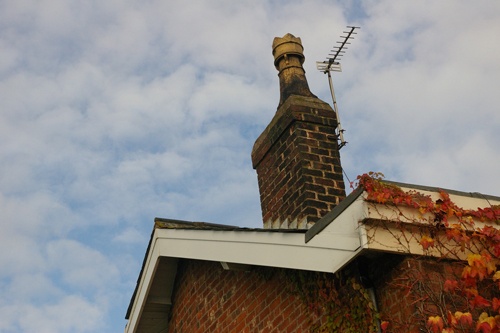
[[339, 301], [466, 297]]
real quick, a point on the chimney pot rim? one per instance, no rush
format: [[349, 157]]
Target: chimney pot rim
[[287, 45]]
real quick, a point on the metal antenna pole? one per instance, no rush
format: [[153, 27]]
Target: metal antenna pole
[[331, 64], [339, 126]]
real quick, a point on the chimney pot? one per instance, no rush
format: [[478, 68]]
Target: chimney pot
[[285, 46], [288, 59]]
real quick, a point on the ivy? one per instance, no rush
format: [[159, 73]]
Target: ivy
[[339, 302], [469, 302]]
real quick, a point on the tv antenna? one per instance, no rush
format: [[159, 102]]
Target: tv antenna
[[333, 64]]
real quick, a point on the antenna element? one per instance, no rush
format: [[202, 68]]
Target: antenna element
[[332, 64]]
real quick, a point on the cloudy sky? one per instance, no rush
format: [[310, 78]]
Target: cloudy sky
[[115, 112]]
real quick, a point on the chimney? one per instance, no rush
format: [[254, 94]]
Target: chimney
[[297, 156]]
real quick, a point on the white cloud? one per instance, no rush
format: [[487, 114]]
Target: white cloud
[[70, 314], [37, 288], [81, 267], [131, 235], [26, 224], [116, 112]]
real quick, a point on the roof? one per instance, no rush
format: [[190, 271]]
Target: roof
[[335, 240], [161, 223], [234, 248]]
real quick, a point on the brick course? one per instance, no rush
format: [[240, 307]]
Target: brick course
[[211, 299], [298, 163], [408, 309]]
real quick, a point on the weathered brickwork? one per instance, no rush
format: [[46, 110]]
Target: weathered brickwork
[[426, 277], [298, 162], [210, 299]]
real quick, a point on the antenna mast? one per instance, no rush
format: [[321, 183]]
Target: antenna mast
[[332, 64]]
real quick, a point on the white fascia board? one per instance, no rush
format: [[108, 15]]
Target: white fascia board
[[274, 249], [143, 288]]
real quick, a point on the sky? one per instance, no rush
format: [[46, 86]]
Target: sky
[[115, 112]]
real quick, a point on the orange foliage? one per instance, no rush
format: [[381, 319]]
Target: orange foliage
[[479, 244]]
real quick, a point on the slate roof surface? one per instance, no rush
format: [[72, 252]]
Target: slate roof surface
[[161, 223]]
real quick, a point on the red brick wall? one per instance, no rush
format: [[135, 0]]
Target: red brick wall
[[210, 299], [408, 291]]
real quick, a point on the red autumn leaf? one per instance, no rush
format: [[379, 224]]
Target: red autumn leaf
[[486, 324], [427, 242], [384, 325], [464, 318], [483, 327], [480, 265], [471, 292], [444, 195], [489, 214], [489, 231], [454, 233], [479, 302], [495, 303], [450, 285], [435, 323], [469, 280], [452, 320], [474, 259]]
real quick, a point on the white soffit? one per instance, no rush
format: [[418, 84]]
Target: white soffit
[[274, 249]]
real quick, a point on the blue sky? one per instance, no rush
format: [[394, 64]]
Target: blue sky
[[116, 112]]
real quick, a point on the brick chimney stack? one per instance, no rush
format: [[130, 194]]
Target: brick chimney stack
[[297, 156]]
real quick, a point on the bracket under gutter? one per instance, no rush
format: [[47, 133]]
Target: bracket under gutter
[[230, 266]]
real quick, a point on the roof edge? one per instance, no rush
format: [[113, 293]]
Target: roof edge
[[437, 189], [141, 273], [163, 223], [333, 214]]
